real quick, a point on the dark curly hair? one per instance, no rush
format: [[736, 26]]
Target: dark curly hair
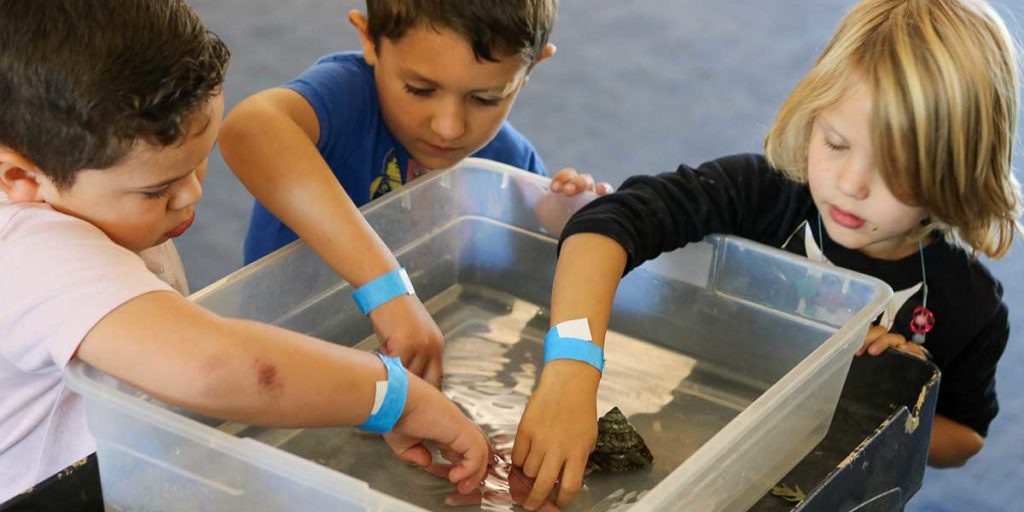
[[82, 81], [502, 27]]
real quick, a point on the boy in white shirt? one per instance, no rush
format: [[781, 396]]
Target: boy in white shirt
[[109, 112]]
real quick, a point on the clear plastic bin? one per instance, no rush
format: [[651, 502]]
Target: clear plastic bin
[[727, 370]]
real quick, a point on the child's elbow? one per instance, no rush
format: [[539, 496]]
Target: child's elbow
[[952, 444], [955, 460]]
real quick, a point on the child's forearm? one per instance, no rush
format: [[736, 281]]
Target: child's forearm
[[280, 378], [232, 369], [589, 269], [269, 142], [558, 428], [952, 443]]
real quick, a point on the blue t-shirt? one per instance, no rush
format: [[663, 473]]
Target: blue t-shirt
[[359, 148]]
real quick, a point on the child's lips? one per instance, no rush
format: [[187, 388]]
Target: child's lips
[[444, 150], [182, 228], [845, 218]]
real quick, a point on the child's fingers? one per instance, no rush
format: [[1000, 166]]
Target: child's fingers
[[872, 349], [434, 372], [572, 481], [470, 464], [585, 182], [470, 471], [471, 452], [520, 449], [450, 454], [467, 474], [468, 485], [915, 350], [417, 365], [411, 452], [874, 332], [544, 482], [531, 467], [884, 343], [564, 174], [394, 348], [561, 178], [439, 469], [604, 188], [581, 183]]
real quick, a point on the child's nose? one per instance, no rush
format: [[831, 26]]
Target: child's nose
[[854, 181], [449, 121], [188, 192]]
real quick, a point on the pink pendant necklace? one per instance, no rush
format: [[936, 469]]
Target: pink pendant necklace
[[922, 320]]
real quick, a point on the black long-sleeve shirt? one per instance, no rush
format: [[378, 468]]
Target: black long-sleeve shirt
[[742, 195]]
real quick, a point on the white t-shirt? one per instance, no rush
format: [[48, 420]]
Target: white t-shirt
[[59, 276]]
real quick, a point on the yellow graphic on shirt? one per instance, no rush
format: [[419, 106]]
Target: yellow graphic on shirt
[[390, 177]]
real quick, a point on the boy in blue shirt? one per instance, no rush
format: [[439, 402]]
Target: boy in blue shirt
[[432, 86]]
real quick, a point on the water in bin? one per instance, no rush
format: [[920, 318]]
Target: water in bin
[[493, 350]]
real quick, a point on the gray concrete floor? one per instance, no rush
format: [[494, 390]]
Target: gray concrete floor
[[636, 87]]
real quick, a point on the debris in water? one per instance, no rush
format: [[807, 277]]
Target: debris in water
[[791, 495]]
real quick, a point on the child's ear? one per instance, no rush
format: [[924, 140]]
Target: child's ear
[[362, 25], [19, 177], [548, 51]]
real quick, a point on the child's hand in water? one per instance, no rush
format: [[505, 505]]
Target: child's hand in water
[[558, 431], [879, 339], [431, 416], [505, 484], [570, 182], [408, 332]]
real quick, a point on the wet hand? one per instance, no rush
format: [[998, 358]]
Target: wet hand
[[430, 416], [558, 431], [407, 331], [570, 182], [505, 485]]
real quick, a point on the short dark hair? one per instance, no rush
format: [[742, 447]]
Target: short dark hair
[[82, 81], [502, 27]]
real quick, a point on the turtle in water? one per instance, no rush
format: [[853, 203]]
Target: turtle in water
[[619, 447]]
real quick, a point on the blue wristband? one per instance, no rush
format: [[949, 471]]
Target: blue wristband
[[382, 289], [384, 418], [571, 340]]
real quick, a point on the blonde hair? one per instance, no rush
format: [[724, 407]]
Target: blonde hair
[[943, 75]]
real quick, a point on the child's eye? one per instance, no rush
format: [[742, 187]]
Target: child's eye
[[157, 194], [487, 102], [834, 147], [416, 91]]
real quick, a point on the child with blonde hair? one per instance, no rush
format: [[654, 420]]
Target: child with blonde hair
[[892, 157]]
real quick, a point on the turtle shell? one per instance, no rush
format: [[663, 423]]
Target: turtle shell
[[619, 446]]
